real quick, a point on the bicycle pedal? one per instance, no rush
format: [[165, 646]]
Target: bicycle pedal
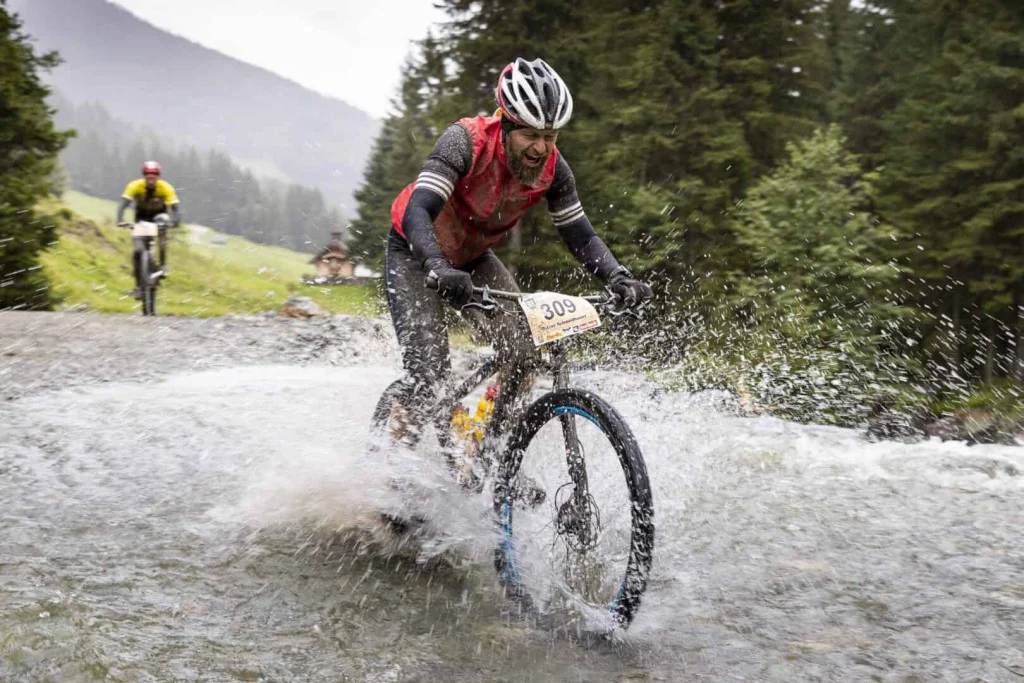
[[400, 525], [468, 480]]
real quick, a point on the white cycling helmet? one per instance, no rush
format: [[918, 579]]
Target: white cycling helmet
[[532, 94]]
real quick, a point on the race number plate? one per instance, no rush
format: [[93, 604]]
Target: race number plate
[[553, 316], [145, 229]]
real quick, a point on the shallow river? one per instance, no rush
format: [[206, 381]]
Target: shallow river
[[222, 526]]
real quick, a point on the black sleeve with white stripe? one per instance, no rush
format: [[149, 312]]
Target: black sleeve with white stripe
[[448, 161], [567, 214]]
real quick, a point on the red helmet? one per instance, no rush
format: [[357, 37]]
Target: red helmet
[[151, 167]]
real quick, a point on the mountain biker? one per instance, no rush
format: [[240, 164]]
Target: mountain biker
[[152, 196], [481, 177]]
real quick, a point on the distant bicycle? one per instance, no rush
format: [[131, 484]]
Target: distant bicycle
[[147, 238], [597, 530]]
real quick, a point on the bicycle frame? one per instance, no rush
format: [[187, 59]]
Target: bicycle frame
[[557, 366], [149, 248], [152, 245], [155, 245], [514, 423]]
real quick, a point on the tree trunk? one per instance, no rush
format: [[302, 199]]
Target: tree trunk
[[1018, 342], [954, 343], [990, 350]]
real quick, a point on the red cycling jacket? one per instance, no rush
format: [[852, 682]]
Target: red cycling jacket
[[487, 202]]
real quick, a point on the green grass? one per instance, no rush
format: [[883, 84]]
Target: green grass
[[101, 211], [91, 265]]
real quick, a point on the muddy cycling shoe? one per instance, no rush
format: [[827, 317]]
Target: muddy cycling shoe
[[395, 521], [400, 525], [526, 492]]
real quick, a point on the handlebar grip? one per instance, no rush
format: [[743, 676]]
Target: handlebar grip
[[433, 281]]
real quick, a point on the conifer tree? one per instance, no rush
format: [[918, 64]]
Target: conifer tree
[[29, 144]]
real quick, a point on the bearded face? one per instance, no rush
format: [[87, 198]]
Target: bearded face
[[527, 150]]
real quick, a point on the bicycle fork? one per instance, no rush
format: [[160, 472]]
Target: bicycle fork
[[578, 519], [577, 515]]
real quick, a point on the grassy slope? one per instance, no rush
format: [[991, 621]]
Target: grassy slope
[[91, 264]]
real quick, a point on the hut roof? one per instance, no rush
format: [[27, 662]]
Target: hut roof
[[336, 247]]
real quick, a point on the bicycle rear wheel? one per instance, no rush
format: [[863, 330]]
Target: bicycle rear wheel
[[393, 417], [397, 393], [397, 421], [595, 557]]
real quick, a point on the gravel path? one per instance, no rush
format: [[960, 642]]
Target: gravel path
[[44, 351]]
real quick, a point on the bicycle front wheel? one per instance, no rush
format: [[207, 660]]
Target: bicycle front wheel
[[148, 288], [588, 548]]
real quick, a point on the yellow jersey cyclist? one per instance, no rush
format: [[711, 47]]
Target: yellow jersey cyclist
[[151, 196]]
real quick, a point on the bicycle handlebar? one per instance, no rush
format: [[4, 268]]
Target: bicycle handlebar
[[484, 296], [132, 224], [599, 299]]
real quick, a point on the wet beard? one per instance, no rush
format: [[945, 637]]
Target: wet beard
[[526, 174]]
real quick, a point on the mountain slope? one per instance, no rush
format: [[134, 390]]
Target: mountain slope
[[145, 75]]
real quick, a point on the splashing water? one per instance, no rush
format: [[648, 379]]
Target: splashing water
[[226, 524]]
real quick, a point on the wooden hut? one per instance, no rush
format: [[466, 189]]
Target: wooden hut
[[333, 262]]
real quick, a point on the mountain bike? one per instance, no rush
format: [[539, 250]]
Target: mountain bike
[[146, 236], [603, 551]]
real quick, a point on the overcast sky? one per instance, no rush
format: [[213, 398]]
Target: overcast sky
[[351, 49]]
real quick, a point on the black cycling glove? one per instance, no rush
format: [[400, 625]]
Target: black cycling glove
[[455, 286], [632, 293]]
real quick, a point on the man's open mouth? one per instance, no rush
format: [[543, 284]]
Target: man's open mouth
[[532, 161]]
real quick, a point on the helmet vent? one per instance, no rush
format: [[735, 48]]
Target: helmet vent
[[534, 95]]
